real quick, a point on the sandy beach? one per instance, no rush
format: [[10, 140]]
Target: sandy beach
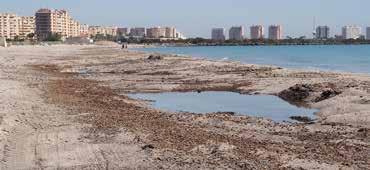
[[64, 107]]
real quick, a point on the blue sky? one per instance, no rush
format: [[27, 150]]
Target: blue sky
[[197, 17]]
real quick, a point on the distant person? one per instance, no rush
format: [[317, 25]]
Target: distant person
[[124, 45]]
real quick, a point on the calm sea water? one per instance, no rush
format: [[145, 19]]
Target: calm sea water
[[254, 105], [344, 58]]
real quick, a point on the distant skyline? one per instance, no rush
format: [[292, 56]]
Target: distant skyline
[[197, 18]]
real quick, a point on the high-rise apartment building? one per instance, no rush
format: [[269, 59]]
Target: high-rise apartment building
[[170, 32], [367, 33], [155, 32], [44, 23], [111, 30], [56, 22], [180, 35], [322, 32], [74, 29], [236, 33], [138, 32], [257, 32], [152, 32], [218, 34], [9, 25], [12, 26], [95, 30], [26, 26], [275, 32], [159, 32], [84, 30], [351, 32]]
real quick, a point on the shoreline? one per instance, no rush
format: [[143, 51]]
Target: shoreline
[[181, 44], [71, 97]]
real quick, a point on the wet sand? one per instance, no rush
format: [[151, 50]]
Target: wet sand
[[62, 107]]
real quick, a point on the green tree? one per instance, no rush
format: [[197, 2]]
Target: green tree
[[54, 37], [30, 35]]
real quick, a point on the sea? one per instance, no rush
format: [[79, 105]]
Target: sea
[[338, 58]]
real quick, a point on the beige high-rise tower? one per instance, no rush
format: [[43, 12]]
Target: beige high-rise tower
[[26, 26], [9, 25], [257, 32], [275, 32], [56, 22], [13, 26]]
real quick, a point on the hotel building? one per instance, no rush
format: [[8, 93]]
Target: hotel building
[[218, 34], [322, 32], [257, 32], [275, 32], [236, 33], [351, 32]]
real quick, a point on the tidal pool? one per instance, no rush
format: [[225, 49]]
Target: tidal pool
[[267, 106]]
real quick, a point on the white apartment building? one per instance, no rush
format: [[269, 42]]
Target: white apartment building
[[351, 32], [257, 32], [180, 35], [218, 34], [275, 32], [236, 33]]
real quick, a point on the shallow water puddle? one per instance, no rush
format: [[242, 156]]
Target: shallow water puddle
[[268, 106]]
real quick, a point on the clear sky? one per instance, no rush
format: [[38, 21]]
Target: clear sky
[[197, 17]]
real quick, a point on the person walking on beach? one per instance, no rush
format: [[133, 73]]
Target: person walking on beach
[[124, 45]]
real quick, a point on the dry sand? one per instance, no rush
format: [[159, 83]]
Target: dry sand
[[62, 107]]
